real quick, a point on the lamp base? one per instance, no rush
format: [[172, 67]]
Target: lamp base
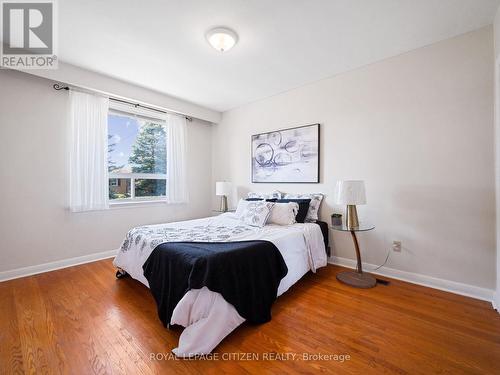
[[356, 279], [223, 203], [351, 220]]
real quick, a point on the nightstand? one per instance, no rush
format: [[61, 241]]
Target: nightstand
[[358, 278]]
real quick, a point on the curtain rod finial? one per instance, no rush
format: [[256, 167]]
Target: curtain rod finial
[[58, 87]]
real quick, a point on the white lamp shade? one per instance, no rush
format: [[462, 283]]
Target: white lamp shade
[[222, 188], [350, 192]]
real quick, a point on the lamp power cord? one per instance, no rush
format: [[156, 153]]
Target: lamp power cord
[[385, 261]]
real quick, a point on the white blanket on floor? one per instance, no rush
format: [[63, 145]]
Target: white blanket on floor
[[207, 316]]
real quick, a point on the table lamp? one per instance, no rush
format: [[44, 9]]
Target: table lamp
[[350, 193], [223, 189]]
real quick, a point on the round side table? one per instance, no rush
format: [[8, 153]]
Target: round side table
[[358, 278]]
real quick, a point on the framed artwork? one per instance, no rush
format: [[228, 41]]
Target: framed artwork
[[286, 156]]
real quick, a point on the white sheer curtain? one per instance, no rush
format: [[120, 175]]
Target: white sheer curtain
[[177, 186], [88, 151]]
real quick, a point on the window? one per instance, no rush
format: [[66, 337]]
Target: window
[[137, 157]]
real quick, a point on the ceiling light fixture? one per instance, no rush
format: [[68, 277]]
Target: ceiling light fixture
[[222, 38]]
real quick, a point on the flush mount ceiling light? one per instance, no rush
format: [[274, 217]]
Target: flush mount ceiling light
[[222, 38]]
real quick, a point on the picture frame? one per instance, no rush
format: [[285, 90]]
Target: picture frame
[[290, 155]]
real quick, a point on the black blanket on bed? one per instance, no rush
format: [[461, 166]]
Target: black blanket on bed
[[246, 273]]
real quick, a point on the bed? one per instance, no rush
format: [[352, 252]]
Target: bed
[[206, 315]]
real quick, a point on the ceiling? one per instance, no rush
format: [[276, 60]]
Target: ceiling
[[282, 44]]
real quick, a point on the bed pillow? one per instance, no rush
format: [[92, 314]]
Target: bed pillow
[[272, 195], [303, 204], [257, 213], [316, 198], [284, 213]]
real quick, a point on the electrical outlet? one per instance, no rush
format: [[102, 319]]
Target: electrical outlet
[[396, 246]]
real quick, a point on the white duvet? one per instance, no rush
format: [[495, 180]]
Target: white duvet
[[206, 315]]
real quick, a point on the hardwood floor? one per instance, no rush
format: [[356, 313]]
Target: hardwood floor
[[81, 320]]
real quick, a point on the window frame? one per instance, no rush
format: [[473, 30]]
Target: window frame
[[144, 114]]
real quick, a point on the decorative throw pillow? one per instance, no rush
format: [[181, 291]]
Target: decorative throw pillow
[[273, 195], [300, 217], [316, 198], [240, 208], [256, 213], [283, 213]]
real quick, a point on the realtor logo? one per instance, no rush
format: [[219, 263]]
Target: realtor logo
[[28, 35]]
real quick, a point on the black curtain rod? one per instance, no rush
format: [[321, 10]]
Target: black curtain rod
[[59, 87]]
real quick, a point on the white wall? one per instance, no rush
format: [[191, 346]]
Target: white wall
[[418, 128], [496, 28], [35, 226], [496, 31]]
